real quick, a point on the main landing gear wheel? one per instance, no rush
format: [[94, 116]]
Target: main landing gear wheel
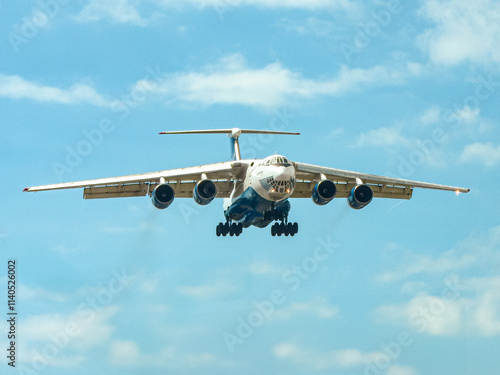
[[288, 229], [223, 229]]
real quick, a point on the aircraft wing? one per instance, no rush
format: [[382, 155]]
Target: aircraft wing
[[181, 180], [308, 175]]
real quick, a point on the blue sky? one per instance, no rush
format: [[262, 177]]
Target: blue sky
[[403, 89]]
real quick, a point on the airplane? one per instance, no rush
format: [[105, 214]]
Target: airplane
[[256, 192]]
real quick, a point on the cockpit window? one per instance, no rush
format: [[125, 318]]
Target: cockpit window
[[277, 160]]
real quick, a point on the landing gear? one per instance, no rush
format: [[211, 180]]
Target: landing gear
[[274, 215], [288, 229], [283, 227], [233, 229]]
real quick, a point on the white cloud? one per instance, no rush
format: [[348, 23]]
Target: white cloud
[[484, 153], [124, 353], [127, 353], [431, 116], [232, 81], [425, 313], [264, 268], [15, 87], [463, 305], [353, 357], [469, 122], [479, 250], [382, 137], [66, 337], [413, 264], [129, 11], [485, 314], [319, 361], [116, 11], [463, 31], [416, 69], [207, 290], [87, 327], [317, 307], [310, 26], [466, 115], [37, 292], [428, 138], [474, 309]]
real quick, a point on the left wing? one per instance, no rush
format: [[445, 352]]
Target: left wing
[[181, 180], [383, 187]]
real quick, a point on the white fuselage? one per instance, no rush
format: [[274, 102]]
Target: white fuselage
[[273, 178]]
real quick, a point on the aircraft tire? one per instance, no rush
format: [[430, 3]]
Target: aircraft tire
[[282, 229]]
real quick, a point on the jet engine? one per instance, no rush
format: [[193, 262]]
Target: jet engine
[[323, 192], [163, 195], [204, 192], [360, 196]]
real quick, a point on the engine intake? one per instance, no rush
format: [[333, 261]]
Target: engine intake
[[204, 192], [360, 196], [323, 192], [163, 195]]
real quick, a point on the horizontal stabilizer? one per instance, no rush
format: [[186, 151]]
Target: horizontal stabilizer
[[234, 133]]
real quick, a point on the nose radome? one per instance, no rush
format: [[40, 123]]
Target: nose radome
[[281, 173]]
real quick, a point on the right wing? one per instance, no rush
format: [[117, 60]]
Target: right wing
[[182, 180], [383, 187]]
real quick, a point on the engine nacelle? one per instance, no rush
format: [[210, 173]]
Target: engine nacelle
[[323, 192], [204, 192], [360, 196], [163, 195]]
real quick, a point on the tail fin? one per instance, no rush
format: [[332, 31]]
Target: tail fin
[[233, 133]]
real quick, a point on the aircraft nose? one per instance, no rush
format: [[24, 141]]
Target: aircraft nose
[[282, 173], [283, 181]]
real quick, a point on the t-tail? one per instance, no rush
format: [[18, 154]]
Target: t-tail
[[233, 133]]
